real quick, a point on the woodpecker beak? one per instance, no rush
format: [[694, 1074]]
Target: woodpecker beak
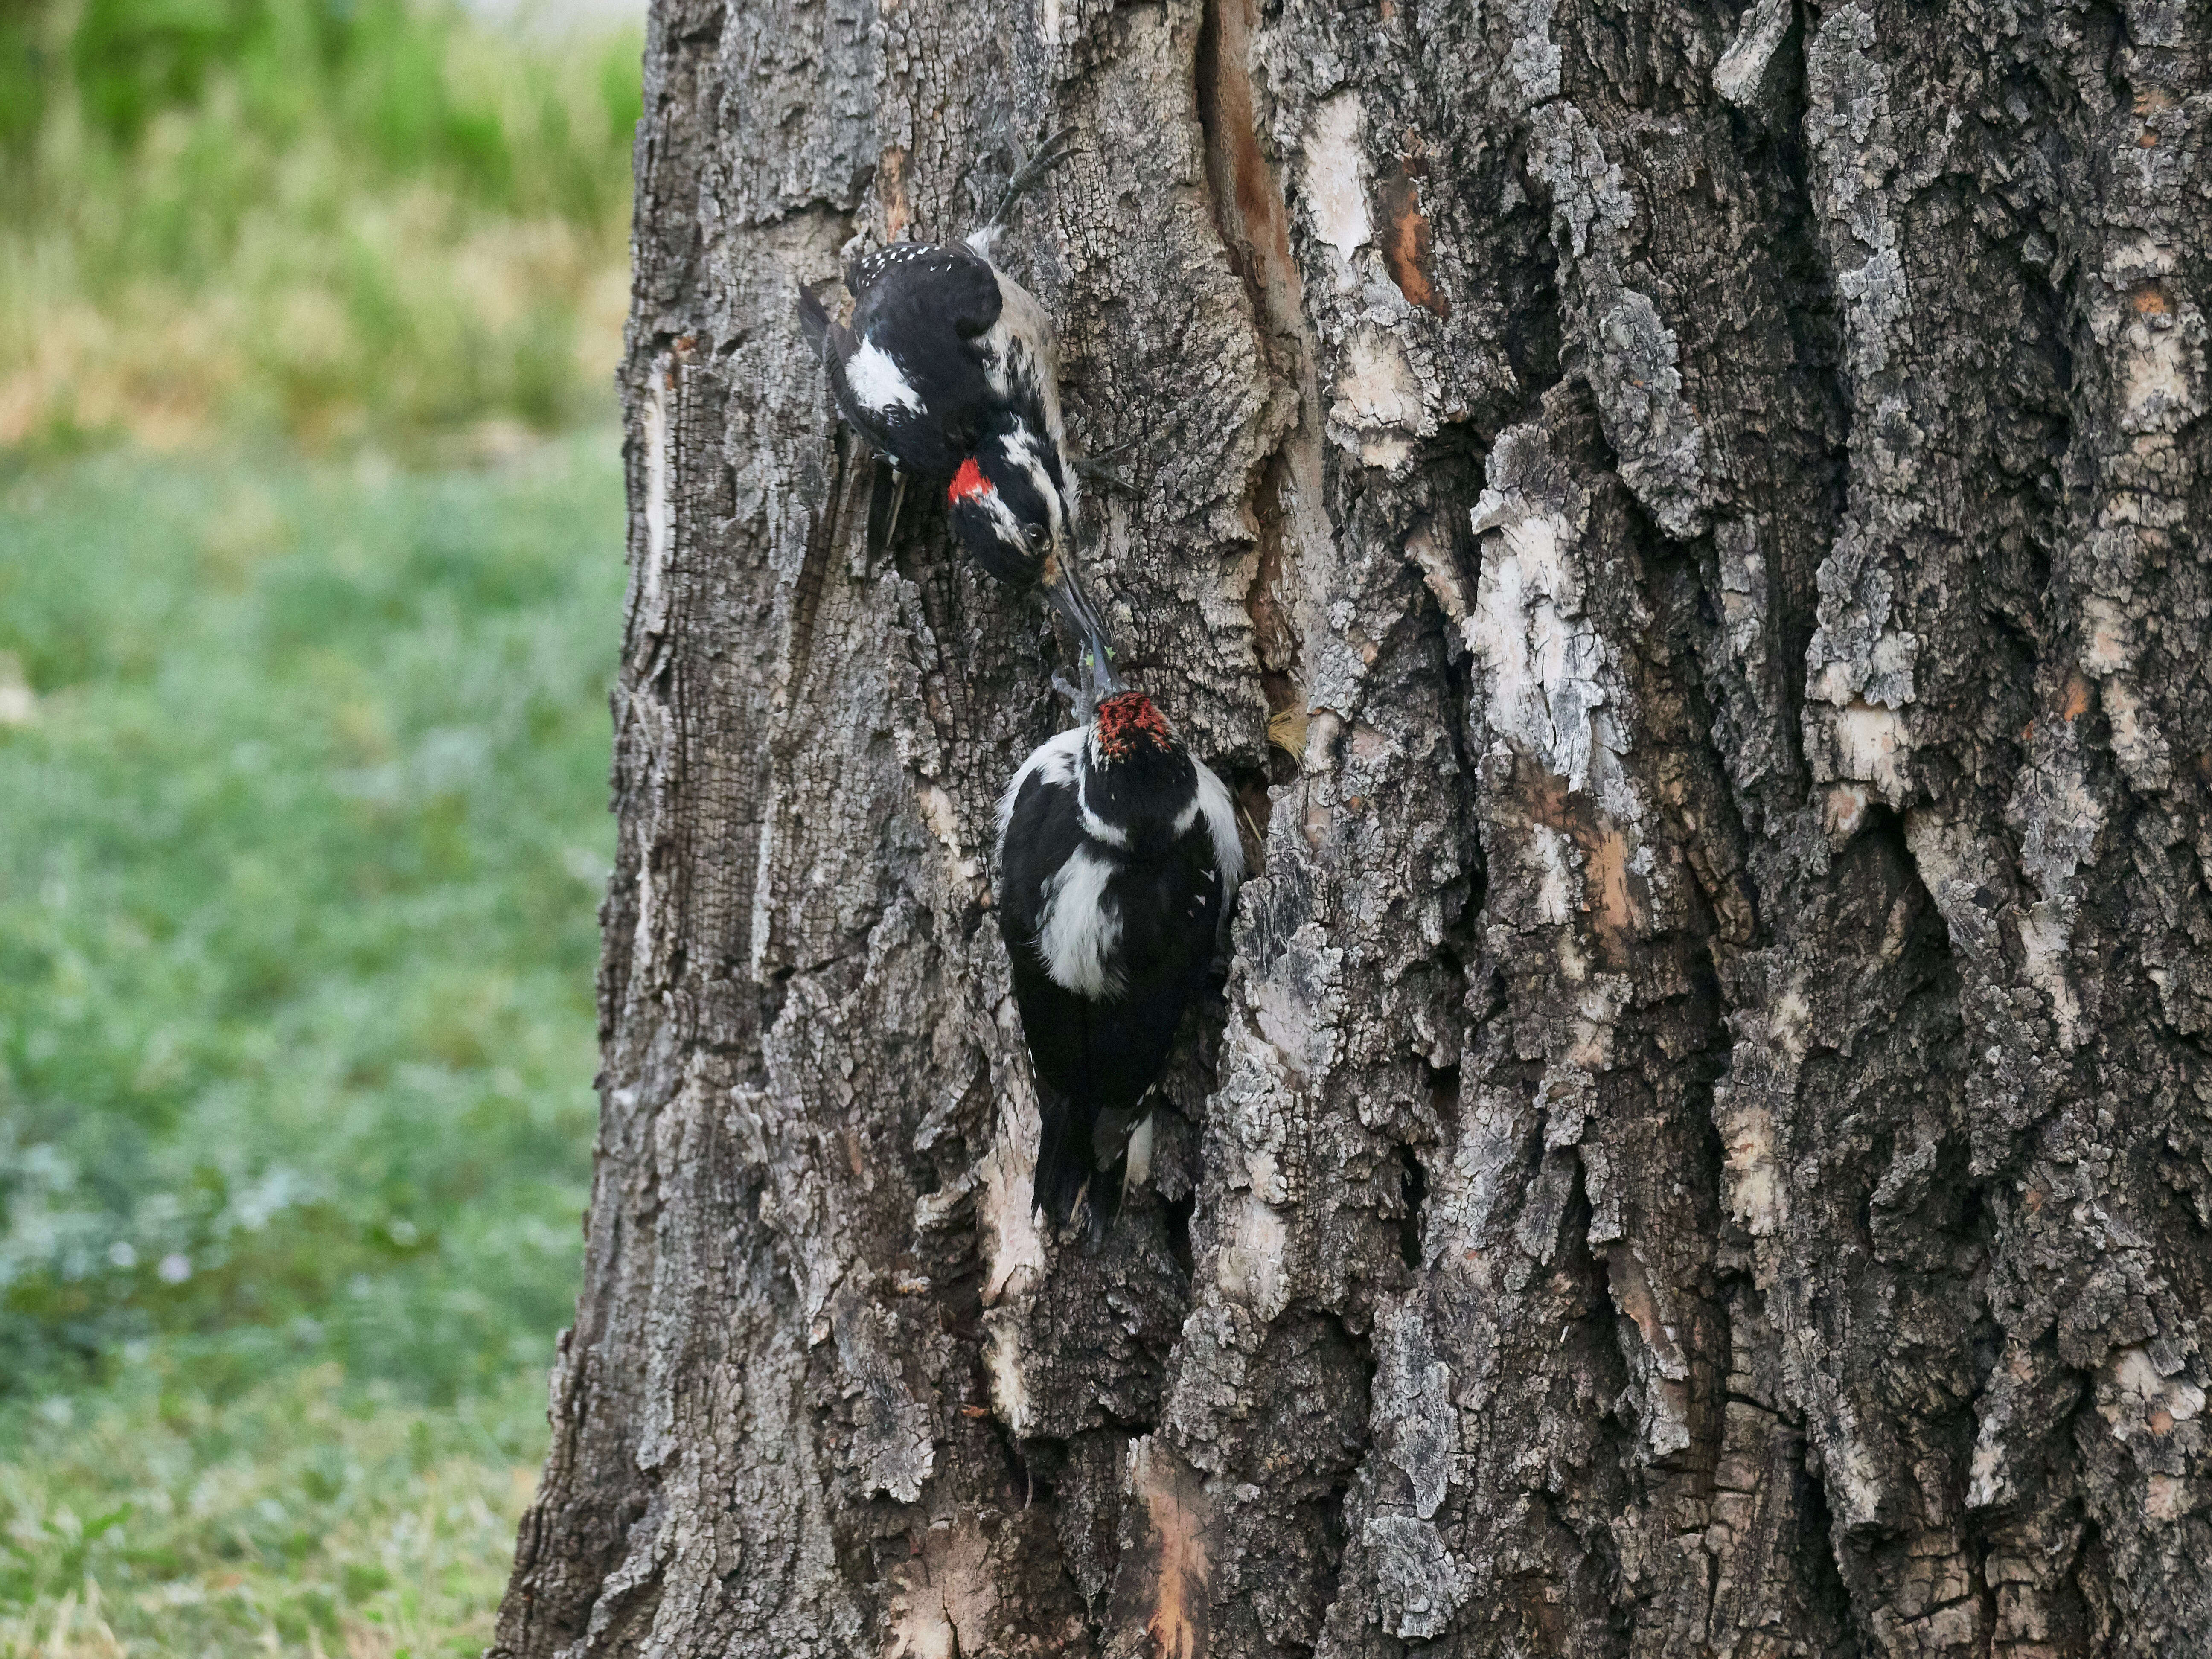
[[1068, 597]]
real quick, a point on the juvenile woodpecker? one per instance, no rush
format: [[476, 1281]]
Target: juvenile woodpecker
[[951, 369], [1118, 858]]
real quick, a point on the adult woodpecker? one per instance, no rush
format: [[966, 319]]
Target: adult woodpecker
[[1118, 858], [950, 368]]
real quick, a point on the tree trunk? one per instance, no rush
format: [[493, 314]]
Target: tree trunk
[[1687, 533]]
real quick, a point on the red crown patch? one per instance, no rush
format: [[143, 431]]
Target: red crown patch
[[1127, 719], [968, 481]]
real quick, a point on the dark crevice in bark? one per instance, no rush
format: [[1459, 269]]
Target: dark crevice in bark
[[1177, 1215], [1815, 323], [1250, 218], [1820, 1553], [1219, 169], [806, 594], [1413, 1193]]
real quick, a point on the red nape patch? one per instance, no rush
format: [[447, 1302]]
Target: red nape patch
[[968, 481], [1127, 719]]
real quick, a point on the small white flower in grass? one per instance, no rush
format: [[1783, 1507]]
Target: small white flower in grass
[[176, 1267]]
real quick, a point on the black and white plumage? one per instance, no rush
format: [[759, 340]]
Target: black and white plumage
[[951, 368], [1118, 859]]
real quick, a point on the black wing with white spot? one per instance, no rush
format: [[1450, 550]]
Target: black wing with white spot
[[907, 372], [941, 281]]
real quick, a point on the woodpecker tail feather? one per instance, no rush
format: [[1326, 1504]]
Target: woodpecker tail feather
[[1065, 1177], [886, 494], [813, 320]]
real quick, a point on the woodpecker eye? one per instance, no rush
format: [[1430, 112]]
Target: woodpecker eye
[[1040, 538]]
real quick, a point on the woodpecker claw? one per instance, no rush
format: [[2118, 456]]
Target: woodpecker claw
[[1050, 154]]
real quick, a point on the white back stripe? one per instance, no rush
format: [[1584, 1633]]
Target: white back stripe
[[1081, 926], [878, 381]]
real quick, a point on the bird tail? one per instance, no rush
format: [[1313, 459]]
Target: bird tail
[[813, 320], [1087, 1162], [1065, 1180]]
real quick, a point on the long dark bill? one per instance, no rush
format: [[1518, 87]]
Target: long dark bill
[[1099, 680]]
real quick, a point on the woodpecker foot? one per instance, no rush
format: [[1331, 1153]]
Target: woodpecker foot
[[1082, 700], [1057, 148]]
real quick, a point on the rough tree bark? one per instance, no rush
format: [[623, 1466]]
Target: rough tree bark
[[1688, 530]]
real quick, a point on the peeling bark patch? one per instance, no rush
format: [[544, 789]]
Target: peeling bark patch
[[1336, 175], [1544, 664], [1013, 1247], [1233, 134], [1863, 743], [1252, 1268], [1617, 896], [946, 1598], [1010, 1393], [1407, 249], [1741, 76], [651, 600], [1161, 1590], [894, 194], [1379, 408]]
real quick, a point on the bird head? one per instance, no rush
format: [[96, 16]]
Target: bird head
[[1007, 507], [1136, 778], [1012, 509]]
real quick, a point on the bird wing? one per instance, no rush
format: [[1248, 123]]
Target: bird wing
[[908, 373], [1040, 830], [956, 285]]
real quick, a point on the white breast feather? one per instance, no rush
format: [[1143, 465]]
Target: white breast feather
[[1081, 928], [1213, 800], [878, 381], [1053, 758]]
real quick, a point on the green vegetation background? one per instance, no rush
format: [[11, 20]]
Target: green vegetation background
[[310, 564]]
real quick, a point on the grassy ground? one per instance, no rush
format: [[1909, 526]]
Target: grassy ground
[[306, 773], [373, 220], [310, 568], [306, 1515]]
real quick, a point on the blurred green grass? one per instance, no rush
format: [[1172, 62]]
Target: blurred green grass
[[305, 1516], [341, 221], [310, 567], [306, 772]]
